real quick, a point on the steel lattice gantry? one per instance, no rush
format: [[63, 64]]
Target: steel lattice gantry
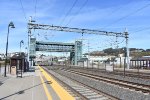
[[75, 49], [79, 30]]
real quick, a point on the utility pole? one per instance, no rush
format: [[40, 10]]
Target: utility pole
[[117, 42], [88, 61], [127, 49], [29, 36], [21, 56]]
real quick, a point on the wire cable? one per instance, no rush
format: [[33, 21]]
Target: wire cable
[[77, 12], [124, 17], [23, 10], [142, 29], [35, 8], [68, 12]]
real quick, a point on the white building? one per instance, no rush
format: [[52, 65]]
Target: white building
[[96, 61]]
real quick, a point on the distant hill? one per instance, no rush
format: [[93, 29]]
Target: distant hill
[[110, 51]]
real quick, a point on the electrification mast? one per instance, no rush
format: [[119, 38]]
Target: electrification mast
[[82, 31]]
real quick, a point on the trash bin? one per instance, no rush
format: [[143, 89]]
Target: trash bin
[[13, 70]]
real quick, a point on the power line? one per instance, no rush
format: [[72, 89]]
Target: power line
[[65, 5], [115, 10], [124, 17], [77, 12], [23, 10], [35, 8], [118, 8], [63, 9], [142, 29], [64, 18], [69, 11]]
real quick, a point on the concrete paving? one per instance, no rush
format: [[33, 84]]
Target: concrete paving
[[2, 78], [27, 88]]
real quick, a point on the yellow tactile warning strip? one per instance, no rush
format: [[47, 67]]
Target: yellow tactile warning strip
[[45, 89], [60, 91]]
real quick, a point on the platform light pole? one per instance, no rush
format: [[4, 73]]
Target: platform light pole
[[11, 25], [21, 42]]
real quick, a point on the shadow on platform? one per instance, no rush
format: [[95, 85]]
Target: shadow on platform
[[23, 91]]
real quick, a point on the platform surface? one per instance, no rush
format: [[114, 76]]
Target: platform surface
[[36, 85]]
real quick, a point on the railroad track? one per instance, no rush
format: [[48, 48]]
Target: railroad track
[[137, 74], [81, 91], [127, 73], [133, 74], [125, 84]]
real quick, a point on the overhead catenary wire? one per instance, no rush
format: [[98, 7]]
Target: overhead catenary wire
[[130, 14], [83, 5], [144, 29], [115, 10], [66, 15], [23, 9], [35, 9]]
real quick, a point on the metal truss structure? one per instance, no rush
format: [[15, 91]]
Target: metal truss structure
[[75, 49], [55, 46], [78, 30]]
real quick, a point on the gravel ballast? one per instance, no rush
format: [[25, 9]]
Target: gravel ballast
[[119, 92], [130, 79]]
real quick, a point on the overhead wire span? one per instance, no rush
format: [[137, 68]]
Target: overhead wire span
[[23, 10], [115, 10], [68, 12], [35, 8], [142, 29], [124, 17], [121, 41], [77, 12]]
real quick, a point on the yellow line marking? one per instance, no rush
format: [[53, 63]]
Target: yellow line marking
[[45, 89], [60, 91]]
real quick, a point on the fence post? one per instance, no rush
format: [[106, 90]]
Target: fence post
[[105, 65], [92, 64], [113, 65], [98, 64], [0, 68]]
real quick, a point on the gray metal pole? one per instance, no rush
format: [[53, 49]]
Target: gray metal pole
[[98, 64], [88, 62], [124, 66], [21, 57], [29, 36], [105, 65], [6, 52], [0, 68], [120, 63], [127, 49]]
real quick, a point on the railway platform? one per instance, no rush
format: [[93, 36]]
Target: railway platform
[[35, 85]]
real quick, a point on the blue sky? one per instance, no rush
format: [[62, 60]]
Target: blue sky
[[107, 15]]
